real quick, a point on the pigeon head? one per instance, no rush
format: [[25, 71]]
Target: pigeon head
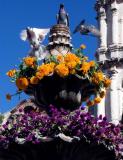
[[61, 6], [62, 10]]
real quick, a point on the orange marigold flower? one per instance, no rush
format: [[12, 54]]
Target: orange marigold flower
[[51, 67], [22, 83], [60, 58], [8, 97], [72, 71], [97, 77], [85, 67], [71, 64], [44, 69], [71, 57], [97, 100], [107, 82], [30, 61], [62, 70], [83, 46], [90, 103], [39, 75], [92, 63], [102, 94], [34, 80], [11, 73]]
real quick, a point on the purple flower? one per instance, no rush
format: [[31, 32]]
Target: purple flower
[[29, 138], [74, 124], [36, 141], [20, 110], [100, 117], [5, 126], [104, 119]]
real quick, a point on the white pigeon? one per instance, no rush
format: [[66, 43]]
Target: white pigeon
[[41, 33], [35, 36]]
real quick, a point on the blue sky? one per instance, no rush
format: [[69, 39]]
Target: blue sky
[[16, 15]]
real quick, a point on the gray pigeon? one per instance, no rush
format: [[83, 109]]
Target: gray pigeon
[[62, 16], [87, 29]]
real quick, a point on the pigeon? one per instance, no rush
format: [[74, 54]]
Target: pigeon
[[62, 16], [77, 29], [87, 29], [35, 36]]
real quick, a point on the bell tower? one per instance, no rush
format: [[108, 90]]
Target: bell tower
[[110, 56]]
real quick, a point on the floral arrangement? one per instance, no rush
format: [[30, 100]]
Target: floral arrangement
[[37, 127], [31, 72]]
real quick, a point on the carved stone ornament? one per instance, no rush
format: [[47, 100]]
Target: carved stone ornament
[[59, 40], [104, 3]]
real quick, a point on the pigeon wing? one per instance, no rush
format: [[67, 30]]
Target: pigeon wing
[[77, 29], [41, 33], [27, 34], [68, 23], [94, 30], [57, 18], [23, 35]]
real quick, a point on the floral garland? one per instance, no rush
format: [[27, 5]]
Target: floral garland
[[37, 127], [31, 72]]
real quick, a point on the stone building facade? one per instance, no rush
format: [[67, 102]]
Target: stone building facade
[[110, 56]]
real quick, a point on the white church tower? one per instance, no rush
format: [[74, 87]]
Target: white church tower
[[110, 56]]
